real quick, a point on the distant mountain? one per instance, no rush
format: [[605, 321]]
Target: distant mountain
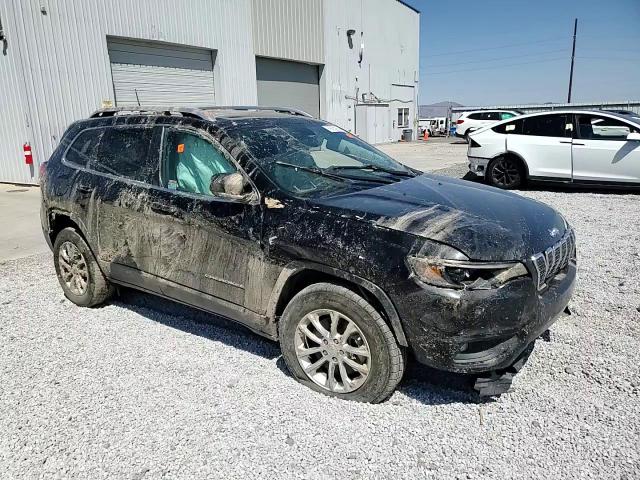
[[439, 109]]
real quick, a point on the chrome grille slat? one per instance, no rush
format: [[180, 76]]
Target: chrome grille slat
[[549, 263]]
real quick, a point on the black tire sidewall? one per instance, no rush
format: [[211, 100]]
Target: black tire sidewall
[[505, 187], [70, 235], [302, 304]]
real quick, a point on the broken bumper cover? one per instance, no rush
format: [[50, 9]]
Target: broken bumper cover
[[479, 331], [478, 166]]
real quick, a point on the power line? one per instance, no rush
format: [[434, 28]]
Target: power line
[[496, 67], [500, 58], [552, 39], [617, 59]]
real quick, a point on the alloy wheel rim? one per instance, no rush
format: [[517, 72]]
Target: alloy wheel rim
[[332, 351], [505, 173], [73, 268]]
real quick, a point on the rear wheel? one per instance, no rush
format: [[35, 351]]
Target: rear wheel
[[78, 272], [336, 343], [505, 172]]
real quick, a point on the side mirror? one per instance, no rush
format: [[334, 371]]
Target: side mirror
[[633, 137], [228, 184]]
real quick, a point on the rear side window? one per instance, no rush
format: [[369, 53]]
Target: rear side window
[[476, 116], [513, 128], [83, 148], [492, 116], [189, 162], [124, 152], [546, 126]]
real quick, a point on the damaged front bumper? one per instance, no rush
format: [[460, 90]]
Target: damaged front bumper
[[480, 331]]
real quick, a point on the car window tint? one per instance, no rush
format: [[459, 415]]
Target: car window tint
[[591, 127], [476, 116], [189, 162], [513, 128], [506, 115], [546, 126], [492, 116], [83, 148], [123, 151]]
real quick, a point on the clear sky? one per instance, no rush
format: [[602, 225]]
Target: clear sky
[[484, 52]]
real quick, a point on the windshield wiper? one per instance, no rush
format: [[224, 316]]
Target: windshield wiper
[[317, 171], [373, 168]]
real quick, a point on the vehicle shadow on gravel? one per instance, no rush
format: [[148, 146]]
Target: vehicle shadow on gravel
[[428, 386], [196, 322], [560, 188]]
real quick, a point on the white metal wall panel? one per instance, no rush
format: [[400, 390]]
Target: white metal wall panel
[[288, 84], [148, 73], [14, 119], [66, 63], [289, 29], [390, 33]]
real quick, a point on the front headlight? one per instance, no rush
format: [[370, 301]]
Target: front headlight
[[462, 274]]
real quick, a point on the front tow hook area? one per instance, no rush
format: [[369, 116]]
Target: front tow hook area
[[498, 382]]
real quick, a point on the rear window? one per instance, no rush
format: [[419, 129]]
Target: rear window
[[514, 128], [124, 152], [545, 126], [84, 147]]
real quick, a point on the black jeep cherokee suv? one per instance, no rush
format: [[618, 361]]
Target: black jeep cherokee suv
[[306, 234]]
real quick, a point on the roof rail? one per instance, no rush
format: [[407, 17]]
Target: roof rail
[[150, 110], [291, 111], [193, 112]]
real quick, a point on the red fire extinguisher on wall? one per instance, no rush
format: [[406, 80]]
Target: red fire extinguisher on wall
[[28, 154]]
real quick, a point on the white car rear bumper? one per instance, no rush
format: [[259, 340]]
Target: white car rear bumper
[[478, 166]]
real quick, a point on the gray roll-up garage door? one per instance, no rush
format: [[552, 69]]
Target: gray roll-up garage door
[[160, 74], [288, 84]]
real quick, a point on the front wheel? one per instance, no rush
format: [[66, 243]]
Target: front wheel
[[505, 172], [336, 343]]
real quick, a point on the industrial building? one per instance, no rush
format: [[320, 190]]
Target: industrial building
[[350, 62]]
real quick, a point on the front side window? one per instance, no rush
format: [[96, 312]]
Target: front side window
[[592, 127], [506, 115], [546, 126], [124, 152], [310, 158], [191, 163]]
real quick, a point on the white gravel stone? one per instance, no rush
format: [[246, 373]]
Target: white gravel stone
[[145, 389]]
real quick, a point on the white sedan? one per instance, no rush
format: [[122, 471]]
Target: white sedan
[[568, 146]]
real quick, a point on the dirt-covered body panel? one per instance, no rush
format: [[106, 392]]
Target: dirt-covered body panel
[[236, 258]]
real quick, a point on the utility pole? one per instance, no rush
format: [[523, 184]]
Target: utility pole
[[573, 56]]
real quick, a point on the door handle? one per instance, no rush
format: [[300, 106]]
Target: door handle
[[565, 141], [162, 208], [84, 188], [580, 144]]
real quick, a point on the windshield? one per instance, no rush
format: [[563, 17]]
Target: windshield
[[308, 157]]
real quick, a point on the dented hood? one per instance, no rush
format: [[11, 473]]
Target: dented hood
[[484, 223]]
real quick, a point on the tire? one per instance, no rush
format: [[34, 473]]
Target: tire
[[85, 286], [505, 172], [324, 301]]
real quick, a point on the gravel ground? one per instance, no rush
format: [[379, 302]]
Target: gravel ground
[[142, 388]]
